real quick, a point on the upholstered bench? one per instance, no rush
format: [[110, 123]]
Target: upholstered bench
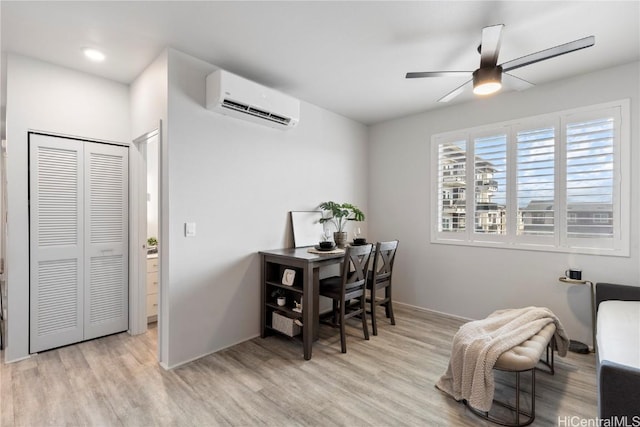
[[522, 358]]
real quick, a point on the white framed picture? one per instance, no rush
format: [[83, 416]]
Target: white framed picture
[[307, 229], [288, 277]]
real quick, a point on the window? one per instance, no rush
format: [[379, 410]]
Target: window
[[557, 182]]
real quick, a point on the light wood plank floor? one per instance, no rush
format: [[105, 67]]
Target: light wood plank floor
[[387, 381]]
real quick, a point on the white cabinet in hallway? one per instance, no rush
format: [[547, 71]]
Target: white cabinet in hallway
[[152, 288]]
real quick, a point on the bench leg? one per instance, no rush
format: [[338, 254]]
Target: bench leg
[[529, 416], [549, 362]]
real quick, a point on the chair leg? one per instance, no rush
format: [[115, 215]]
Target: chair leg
[[374, 326], [335, 312], [390, 306], [343, 340], [363, 315]]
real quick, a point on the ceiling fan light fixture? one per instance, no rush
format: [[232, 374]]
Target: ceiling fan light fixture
[[487, 80]]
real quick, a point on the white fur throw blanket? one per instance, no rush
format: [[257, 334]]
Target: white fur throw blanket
[[478, 344]]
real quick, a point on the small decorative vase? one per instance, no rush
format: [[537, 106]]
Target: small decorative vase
[[340, 237], [281, 301]]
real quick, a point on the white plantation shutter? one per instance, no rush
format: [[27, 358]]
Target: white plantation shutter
[[590, 181], [535, 182], [490, 184], [451, 187], [558, 182]]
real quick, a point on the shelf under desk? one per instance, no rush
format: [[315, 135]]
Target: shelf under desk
[[307, 266]]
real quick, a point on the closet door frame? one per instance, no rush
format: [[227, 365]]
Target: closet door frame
[[138, 234], [138, 242]]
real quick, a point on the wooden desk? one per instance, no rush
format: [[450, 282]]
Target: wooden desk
[[307, 266]]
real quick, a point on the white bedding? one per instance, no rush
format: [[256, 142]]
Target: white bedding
[[618, 332]]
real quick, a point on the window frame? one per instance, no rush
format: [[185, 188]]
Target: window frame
[[618, 245]]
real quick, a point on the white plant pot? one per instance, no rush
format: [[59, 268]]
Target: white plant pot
[[281, 301]]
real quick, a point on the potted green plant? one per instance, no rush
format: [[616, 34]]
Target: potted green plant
[[338, 215], [152, 245]]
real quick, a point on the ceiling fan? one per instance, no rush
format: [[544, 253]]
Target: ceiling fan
[[488, 78]]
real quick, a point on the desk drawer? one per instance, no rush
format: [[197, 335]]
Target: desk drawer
[[152, 264]]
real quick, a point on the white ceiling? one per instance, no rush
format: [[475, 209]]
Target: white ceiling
[[348, 57]]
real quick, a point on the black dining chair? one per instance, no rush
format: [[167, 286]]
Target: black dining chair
[[380, 278], [350, 285]]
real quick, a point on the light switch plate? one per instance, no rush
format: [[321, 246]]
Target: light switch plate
[[189, 229]]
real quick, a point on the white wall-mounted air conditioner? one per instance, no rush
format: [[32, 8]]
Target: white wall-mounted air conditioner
[[238, 97]]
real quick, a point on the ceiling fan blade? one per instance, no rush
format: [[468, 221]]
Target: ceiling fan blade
[[438, 74], [490, 46], [457, 91], [549, 53], [516, 82]]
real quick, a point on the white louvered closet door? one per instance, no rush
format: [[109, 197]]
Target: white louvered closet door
[[57, 254], [79, 237], [106, 240]]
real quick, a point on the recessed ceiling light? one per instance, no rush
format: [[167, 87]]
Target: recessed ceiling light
[[93, 54]]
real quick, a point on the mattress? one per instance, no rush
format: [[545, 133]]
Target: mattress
[[618, 332]]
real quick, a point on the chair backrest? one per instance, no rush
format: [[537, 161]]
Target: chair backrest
[[356, 266], [383, 261]]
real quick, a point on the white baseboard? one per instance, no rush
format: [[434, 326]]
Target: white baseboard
[[168, 368], [429, 310]]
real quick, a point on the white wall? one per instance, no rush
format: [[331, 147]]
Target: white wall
[[472, 282], [47, 98], [237, 181], [148, 97]]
